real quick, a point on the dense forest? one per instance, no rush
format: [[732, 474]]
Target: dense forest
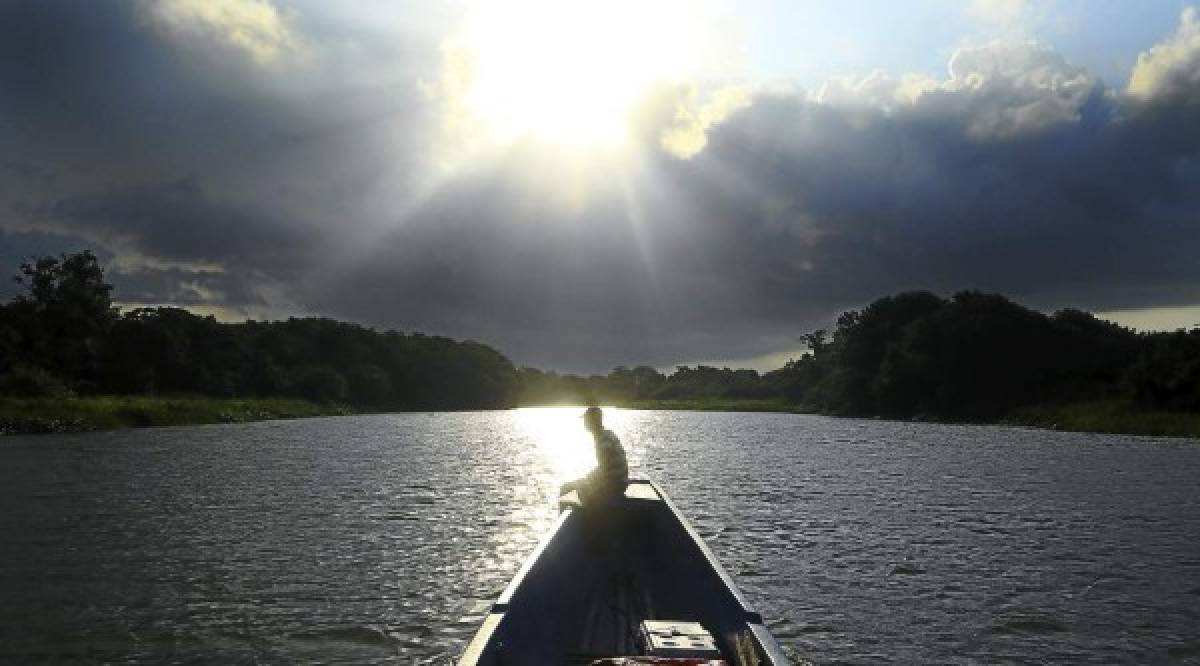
[[979, 356], [63, 336], [972, 357]]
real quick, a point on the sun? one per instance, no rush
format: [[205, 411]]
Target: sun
[[570, 72]]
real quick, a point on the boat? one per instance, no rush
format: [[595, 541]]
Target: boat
[[628, 582]]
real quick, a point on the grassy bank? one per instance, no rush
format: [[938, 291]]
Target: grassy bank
[[42, 415], [1110, 416], [80, 414], [1106, 416]]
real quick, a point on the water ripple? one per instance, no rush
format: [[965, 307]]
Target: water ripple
[[384, 539]]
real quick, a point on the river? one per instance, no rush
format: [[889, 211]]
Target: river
[[384, 538]]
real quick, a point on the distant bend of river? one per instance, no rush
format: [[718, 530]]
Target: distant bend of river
[[384, 539]]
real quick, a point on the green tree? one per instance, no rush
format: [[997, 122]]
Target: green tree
[[370, 385], [1166, 375], [64, 314], [320, 383], [816, 341]]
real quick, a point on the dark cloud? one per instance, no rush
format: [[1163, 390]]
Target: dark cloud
[[877, 201], [304, 186], [177, 221], [90, 86], [230, 293]]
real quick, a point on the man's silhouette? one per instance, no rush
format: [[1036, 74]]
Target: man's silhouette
[[611, 475]]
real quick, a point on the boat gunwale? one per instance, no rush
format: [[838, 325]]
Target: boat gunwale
[[752, 618], [510, 590]]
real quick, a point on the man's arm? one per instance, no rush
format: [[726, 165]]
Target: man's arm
[[588, 480]]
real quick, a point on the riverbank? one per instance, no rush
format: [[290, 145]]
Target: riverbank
[[1117, 417], [713, 405], [91, 413], [88, 413], [687, 405]]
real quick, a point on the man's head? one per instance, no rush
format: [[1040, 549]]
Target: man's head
[[593, 419]]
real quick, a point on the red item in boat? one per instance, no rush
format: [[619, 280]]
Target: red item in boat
[[659, 661]]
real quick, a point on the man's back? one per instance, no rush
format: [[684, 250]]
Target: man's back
[[612, 468]]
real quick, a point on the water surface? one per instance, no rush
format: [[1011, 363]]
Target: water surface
[[383, 539]]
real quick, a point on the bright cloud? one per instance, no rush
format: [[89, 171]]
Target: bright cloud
[[997, 11], [997, 90], [685, 116], [254, 26], [1173, 67]]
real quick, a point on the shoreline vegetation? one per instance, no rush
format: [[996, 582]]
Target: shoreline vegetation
[[1114, 417], [99, 413], [71, 361], [109, 412]]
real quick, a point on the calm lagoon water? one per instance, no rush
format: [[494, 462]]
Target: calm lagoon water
[[383, 539]]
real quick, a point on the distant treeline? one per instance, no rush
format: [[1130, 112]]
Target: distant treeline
[[64, 336], [974, 356], [643, 383]]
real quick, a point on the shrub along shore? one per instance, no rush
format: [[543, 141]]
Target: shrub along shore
[[1116, 417], [106, 412]]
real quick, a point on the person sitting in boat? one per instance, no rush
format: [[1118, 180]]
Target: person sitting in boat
[[611, 474]]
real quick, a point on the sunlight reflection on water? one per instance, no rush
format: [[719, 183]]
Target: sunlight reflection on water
[[559, 435]]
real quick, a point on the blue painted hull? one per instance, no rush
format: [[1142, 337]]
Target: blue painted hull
[[603, 569]]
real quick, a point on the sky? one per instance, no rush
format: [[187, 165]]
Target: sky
[[591, 184]]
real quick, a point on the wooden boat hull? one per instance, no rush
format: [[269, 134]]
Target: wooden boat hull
[[600, 572]]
